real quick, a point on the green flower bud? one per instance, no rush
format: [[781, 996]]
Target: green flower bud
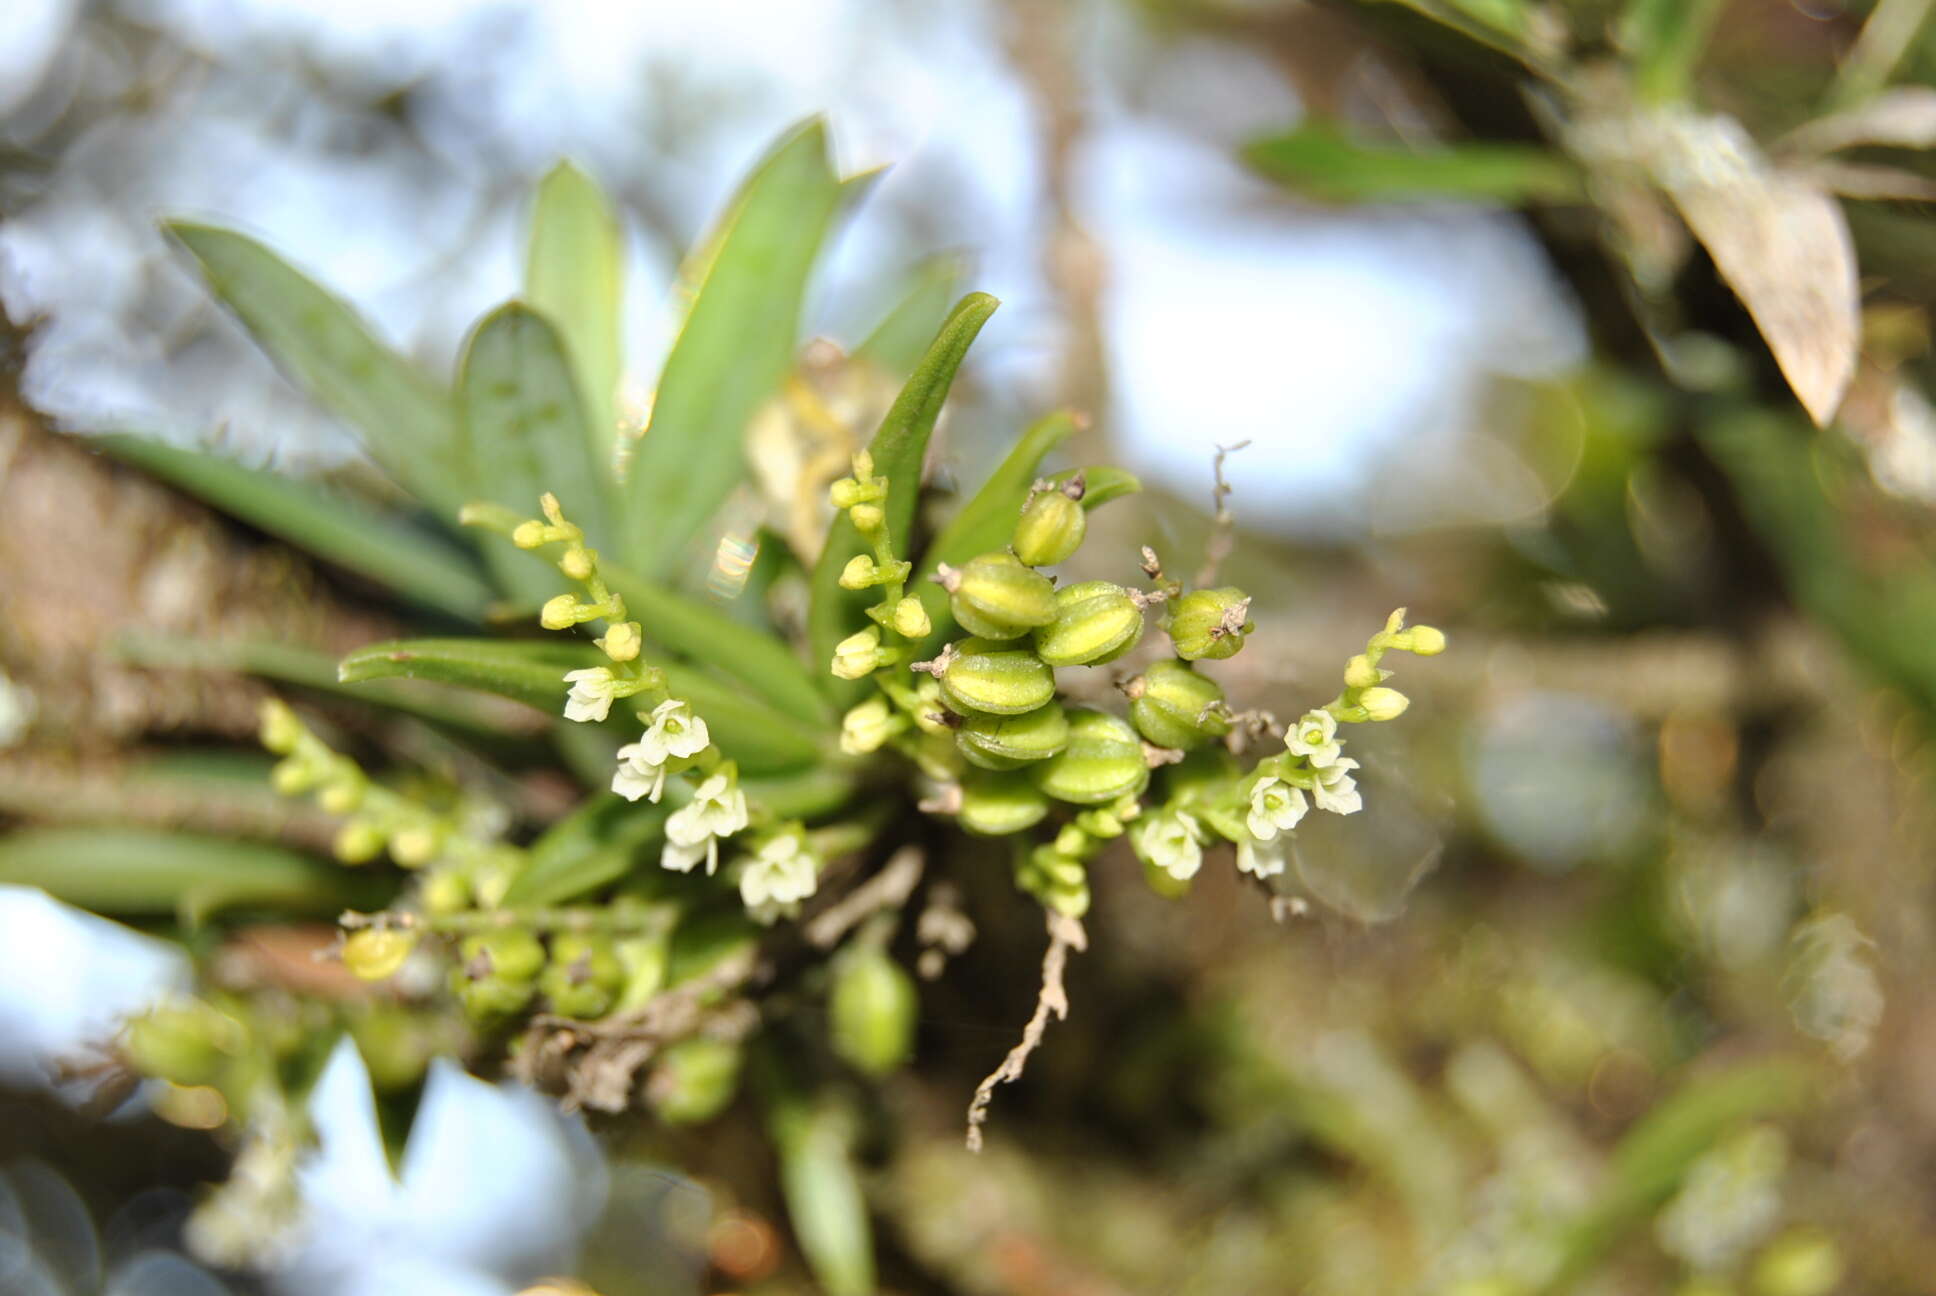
[[868, 518], [1051, 528], [294, 776], [996, 597], [911, 619], [1103, 761], [858, 655], [583, 975], [1057, 880], [1095, 622], [342, 795], [281, 731], [416, 845], [1360, 673], [1173, 706], [1210, 623], [511, 955], [997, 805], [997, 678], [694, 1081], [1000, 742], [375, 953], [185, 1043], [872, 1008], [445, 891], [1801, 1262], [859, 573], [560, 613], [1425, 641], [577, 563], [357, 842], [1383, 703]]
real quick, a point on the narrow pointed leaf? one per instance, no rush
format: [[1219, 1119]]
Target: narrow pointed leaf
[[524, 432], [404, 419], [1104, 484], [575, 276], [1322, 162], [595, 845], [141, 872], [335, 528], [1903, 117], [1665, 39], [898, 341], [737, 344], [825, 1202], [899, 447]]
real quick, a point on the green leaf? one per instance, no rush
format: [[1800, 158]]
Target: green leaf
[[737, 344], [1322, 162], [405, 420], [761, 739], [136, 872], [825, 1202], [524, 432], [1665, 39], [1103, 484], [333, 527], [575, 276], [594, 845], [899, 447], [898, 341]]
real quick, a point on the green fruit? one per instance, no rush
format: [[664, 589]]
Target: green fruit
[[583, 976], [996, 597], [694, 1081], [375, 953], [512, 955], [1103, 761], [1210, 623], [186, 1043], [1173, 706], [491, 998], [996, 805], [997, 678], [1095, 622], [1051, 528], [1000, 742], [872, 1009]]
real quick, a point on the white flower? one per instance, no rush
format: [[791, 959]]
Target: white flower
[[673, 732], [858, 654], [1260, 858], [1335, 789], [681, 859], [717, 809], [1171, 840], [638, 775], [592, 691], [866, 727], [781, 872], [1316, 738], [1275, 806]]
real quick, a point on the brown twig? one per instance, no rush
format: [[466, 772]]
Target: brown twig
[[887, 889], [1065, 934]]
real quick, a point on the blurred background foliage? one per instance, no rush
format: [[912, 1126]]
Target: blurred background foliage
[[1619, 989]]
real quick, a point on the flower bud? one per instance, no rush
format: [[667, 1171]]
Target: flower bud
[[911, 619], [529, 534], [694, 1080], [1425, 641], [357, 842], [582, 976], [1173, 706], [577, 563], [622, 641], [375, 953], [858, 655], [859, 573], [871, 1008], [1383, 703], [342, 795], [1057, 880], [997, 678], [1095, 622], [996, 805], [445, 891], [560, 613], [1051, 528], [1360, 673], [866, 727], [1103, 761], [293, 777], [1210, 623], [1000, 742], [846, 493], [868, 518], [415, 845], [996, 597], [281, 731]]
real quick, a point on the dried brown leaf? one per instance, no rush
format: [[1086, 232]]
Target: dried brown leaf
[[1904, 117]]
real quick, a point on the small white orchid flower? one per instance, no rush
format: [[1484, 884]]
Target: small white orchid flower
[[782, 872], [592, 691], [1260, 858], [1335, 789], [673, 732], [638, 774], [1275, 806], [1171, 840], [682, 859], [1315, 737]]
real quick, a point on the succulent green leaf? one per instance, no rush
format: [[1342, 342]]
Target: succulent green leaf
[[405, 420], [333, 527], [524, 431], [737, 344], [137, 872], [1322, 162], [596, 844], [899, 340], [823, 1193], [761, 739], [574, 275], [899, 447], [1665, 39]]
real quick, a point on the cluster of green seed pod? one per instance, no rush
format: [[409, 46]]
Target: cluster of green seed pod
[[579, 974]]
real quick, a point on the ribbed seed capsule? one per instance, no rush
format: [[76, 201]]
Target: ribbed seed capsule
[[1000, 742], [694, 1080], [1173, 706], [1210, 623], [1095, 622], [996, 597], [871, 1009], [998, 678], [996, 805], [583, 975], [1104, 760], [1051, 528]]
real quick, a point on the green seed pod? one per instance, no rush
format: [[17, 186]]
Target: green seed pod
[[872, 1007], [1000, 679], [583, 975], [511, 955], [395, 1047], [996, 805], [185, 1043], [694, 1081], [996, 597], [1173, 706], [1051, 528], [1095, 622], [1104, 760], [1001, 742], [490, 999], [1210, 623], [375, 953]]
